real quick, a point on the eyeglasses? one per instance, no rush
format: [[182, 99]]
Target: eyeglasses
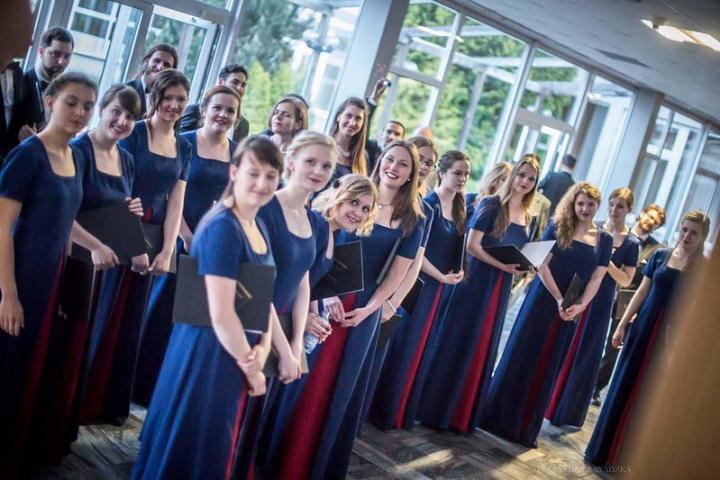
[[427, 162]]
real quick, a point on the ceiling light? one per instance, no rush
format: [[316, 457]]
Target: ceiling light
[[681, 35]]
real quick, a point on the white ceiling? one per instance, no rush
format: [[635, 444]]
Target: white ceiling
[[584, 29]]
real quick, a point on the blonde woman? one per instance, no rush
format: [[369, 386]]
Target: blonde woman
[[662, 281], [348, 206], [489, 185], [520, 389]]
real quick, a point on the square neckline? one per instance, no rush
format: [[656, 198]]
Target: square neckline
[[146, 132], [94, 160], [49, 163], [282, 214]]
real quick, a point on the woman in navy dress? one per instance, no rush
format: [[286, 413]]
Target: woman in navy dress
[[161, 168], [319, 437], [440, 272], [107, 180], [661, 283], [40, 193], [520, 389], [287, 118], [349, 129], [348, 206], [204, 408], [576, 381], [489, 185], [207, 177], [459, 374]]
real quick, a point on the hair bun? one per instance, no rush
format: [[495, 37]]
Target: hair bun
[[336, 183]]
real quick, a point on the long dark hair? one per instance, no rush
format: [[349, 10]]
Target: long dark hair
[[459, 213], [357, 143], [164, 80], [406, 204]]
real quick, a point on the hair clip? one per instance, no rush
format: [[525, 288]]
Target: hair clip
[[336, 183]]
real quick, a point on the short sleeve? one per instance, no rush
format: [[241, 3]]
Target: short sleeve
[[655, 261], [429, 218], [605, 247], [220, 248], [321, 231], [17, 176], [632, 254], [485, 214], [410, 244], [130, 143], [185, 149]]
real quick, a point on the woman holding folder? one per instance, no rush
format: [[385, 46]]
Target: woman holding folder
[[107, 180], [348, 206], [40, 193], [207, 177], [459, 374], [319, 437], [520, 390], [441, 269], [662, 281], [161, 168], [204, 410], [576, 381]]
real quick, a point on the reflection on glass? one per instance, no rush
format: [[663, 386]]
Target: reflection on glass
[[185, 37], [423, 38], [290, 48], [600, 129], [554, 87]]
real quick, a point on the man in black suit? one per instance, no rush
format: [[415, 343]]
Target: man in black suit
[[11, 90], [160, 57], [650, 219], [555, 184], [56, 48], [394, 130], [233, 76]]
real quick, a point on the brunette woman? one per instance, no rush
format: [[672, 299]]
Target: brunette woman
[[319, 437], [349, 129], [207, 177], [575, 383], [287, 118], [522, 384], [161, 168], [40, 193], [204, 408], [460, 373], [415, 341], [661, 283]]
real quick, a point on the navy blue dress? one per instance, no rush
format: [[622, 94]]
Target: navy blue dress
[[206, 181], [76, 338], [459, 375], [278, 410], [110, 376], [49, 205], [415, 339], [520, 389], [319, 435], [200, 418], [607, 440], [578, 375]]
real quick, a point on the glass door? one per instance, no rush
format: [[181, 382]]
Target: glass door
[[544, 136]]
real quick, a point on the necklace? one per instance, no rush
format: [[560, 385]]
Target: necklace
[[383, 205], [343, 152]]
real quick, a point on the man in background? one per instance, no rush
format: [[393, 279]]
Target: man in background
[[54, 53], [160, 57], [555, 184], [233, 76], [394, 130]]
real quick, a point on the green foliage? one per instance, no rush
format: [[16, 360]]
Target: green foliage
[[187, 38], [264, 89]]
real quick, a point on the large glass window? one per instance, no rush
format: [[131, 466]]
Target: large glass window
[[460, 89], [293, 47], [704, 192], [600, 129]]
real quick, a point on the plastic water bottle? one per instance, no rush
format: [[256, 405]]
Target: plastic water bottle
[[311, 340]]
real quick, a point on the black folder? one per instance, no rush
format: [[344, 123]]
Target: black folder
[[346, 275], [154, 237], [459, 258], [510, 254], [271, 365], [387, 329], [623, 300], [388, 262], [574, 291], [253, 297], [116, 227]]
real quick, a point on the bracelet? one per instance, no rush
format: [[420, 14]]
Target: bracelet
[[392, 307]]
